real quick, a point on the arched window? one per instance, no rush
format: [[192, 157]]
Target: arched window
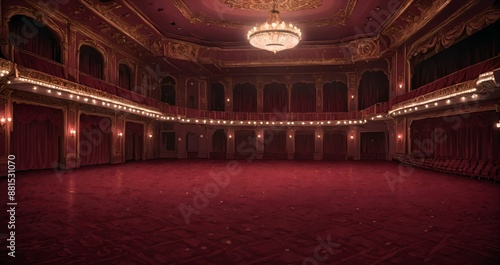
[[91, 62], [373, 89], [217, 95], [168, 90], [219, 141], [124, 76], [35, 45], [30, 35]]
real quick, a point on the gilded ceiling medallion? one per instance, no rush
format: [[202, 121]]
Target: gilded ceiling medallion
[[266, 5]]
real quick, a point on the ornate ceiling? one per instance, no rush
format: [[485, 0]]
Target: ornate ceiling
[[208, 37]]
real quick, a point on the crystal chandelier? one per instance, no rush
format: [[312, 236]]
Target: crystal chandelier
[[274, 35]]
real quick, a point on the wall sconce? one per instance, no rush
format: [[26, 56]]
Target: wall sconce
[[72, 133], [498, 125], [150, 136], [352, 96], [400, 86], [120, 134], [2, 122], [201, 135], [352, 137], [228, 99], [290, 136], [400, 137], [230, 136], [319, 136], [258, 136]]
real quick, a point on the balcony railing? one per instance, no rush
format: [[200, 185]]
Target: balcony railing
[[466, 74]]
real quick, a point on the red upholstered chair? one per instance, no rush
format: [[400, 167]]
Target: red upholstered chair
[[470, 169], [480, 165]]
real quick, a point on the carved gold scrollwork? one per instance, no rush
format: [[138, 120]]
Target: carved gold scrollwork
[[183, 51], [364, 49], [266, 5], [440, 40]]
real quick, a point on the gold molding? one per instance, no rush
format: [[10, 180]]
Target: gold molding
[[35, 14], [336, 19], [412, 22], [105, 11], [266, 5], [440, 40], [461, 87]]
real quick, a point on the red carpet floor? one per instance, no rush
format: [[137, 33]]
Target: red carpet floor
[[266, 212]]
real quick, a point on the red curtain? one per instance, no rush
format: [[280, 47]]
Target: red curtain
[[334, 144], [124, 77], [33, 36], [217, 97], [373, 88], [303, 97], [304, 144], [219, 141], [373, 145], [245, 143], [94, 140], [134, 137], [275, 98], [467, 136], [36, 136], [335, 97], [91, 62], [275, 144], [168, 90], [476, 48], [244, 98]]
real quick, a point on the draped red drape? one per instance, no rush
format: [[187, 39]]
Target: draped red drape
[[244, 143], [33, 36], [134, 137], [124, 77], [303, 97], [334, 144], [335, 97], [275, 98], [467, 136], [275, 144], [245, 98], [94, 140], [217, 97], [219, 141], [373, 145], [304, 144], [476, 48], [373, 88], [168, 90], [91, 62], [36, 136], [35, 46]]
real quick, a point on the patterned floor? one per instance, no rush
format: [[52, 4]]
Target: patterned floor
[[259, 212]]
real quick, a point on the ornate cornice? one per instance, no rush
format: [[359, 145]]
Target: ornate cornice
[[106, 11], [441, 40], [266, 5], [409, 22], [336, 19], [441, 93], [75, 88]]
